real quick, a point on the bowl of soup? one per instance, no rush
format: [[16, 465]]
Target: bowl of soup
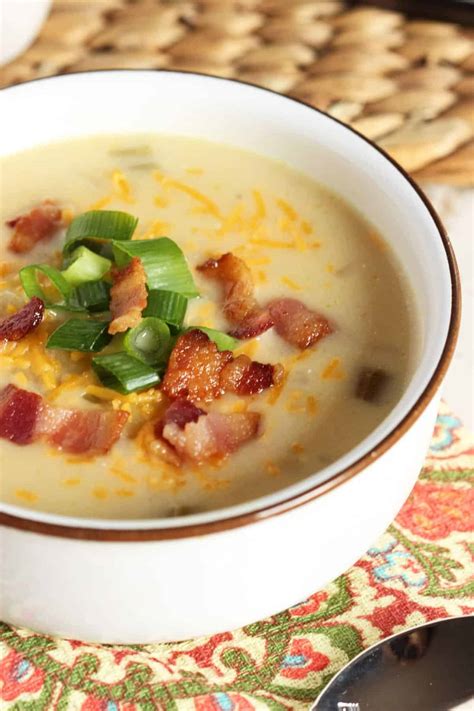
[[224, 318]]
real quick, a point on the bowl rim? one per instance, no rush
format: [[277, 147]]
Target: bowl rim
[[338, 478]]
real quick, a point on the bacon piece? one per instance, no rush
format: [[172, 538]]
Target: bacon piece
[[40, 223], [19, 412], [90, 432], [297, 324], [246, 377], [253, 325], [128, 296], [182, 411], [18, 325], [25, 417], [240, 306], [199, 371], [194, 368], [236, 279], [213, 435]]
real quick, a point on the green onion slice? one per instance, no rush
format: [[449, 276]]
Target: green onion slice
[[32, 287], [85, 266], [80, 335], [124, 373], [164, 263], [149, 341], [93, 296], [223, 341], [97, 228], [167, 305]]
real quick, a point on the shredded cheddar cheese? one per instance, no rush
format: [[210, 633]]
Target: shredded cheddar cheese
[[101, 203], [333, 370], [297, 448], [260, 209], [100, 492], [248, 348], [67, 216], [71, 382], [276, 390], [122, 187], [102, 393], [194, 171], [209, 205], [239, 406], [72, 481], [290, 283], [20, 380], [287, 209], [311, 405], [124, 493], [27, 495], [156, 229], [234, 221], [8, 268], [272, 469], [294, 403], [161, 201], [118, 471]]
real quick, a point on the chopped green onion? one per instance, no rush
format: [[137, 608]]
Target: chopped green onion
[[80, 335], [167, 305], [97, 228], [124, 373], [85, 266], [164, 263], [32, 287], [138, 150], [223, 341], [149, 341], [93, 296]]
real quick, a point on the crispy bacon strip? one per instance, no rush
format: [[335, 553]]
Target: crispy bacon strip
[[194, 368], [212, 435], [19, 412], [128, 296], [25, 417], [297, 324], [254, 325], [182, 411], [244, 376], [18, 325], [240, 306], [199, 371], [40, 223]]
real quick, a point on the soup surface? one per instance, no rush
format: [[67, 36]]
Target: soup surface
[[298, 240]]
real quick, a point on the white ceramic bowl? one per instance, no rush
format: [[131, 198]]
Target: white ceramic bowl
[[146, 580], [20, 22]]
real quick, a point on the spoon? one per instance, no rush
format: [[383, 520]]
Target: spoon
[[426, 668]]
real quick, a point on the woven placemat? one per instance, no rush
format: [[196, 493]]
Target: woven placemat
[[406, 83]]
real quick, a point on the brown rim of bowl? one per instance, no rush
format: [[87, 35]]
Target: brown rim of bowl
[[200, 529]]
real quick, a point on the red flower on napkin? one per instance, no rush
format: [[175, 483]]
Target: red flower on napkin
[[434, 511], [302, 659], [18, 676]]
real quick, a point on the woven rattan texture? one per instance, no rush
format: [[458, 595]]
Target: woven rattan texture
[[408, 84]]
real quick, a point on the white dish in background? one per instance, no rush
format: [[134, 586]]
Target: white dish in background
[[147, 580], [20, 22]]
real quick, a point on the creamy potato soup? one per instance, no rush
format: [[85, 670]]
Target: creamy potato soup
[[314, 263]]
